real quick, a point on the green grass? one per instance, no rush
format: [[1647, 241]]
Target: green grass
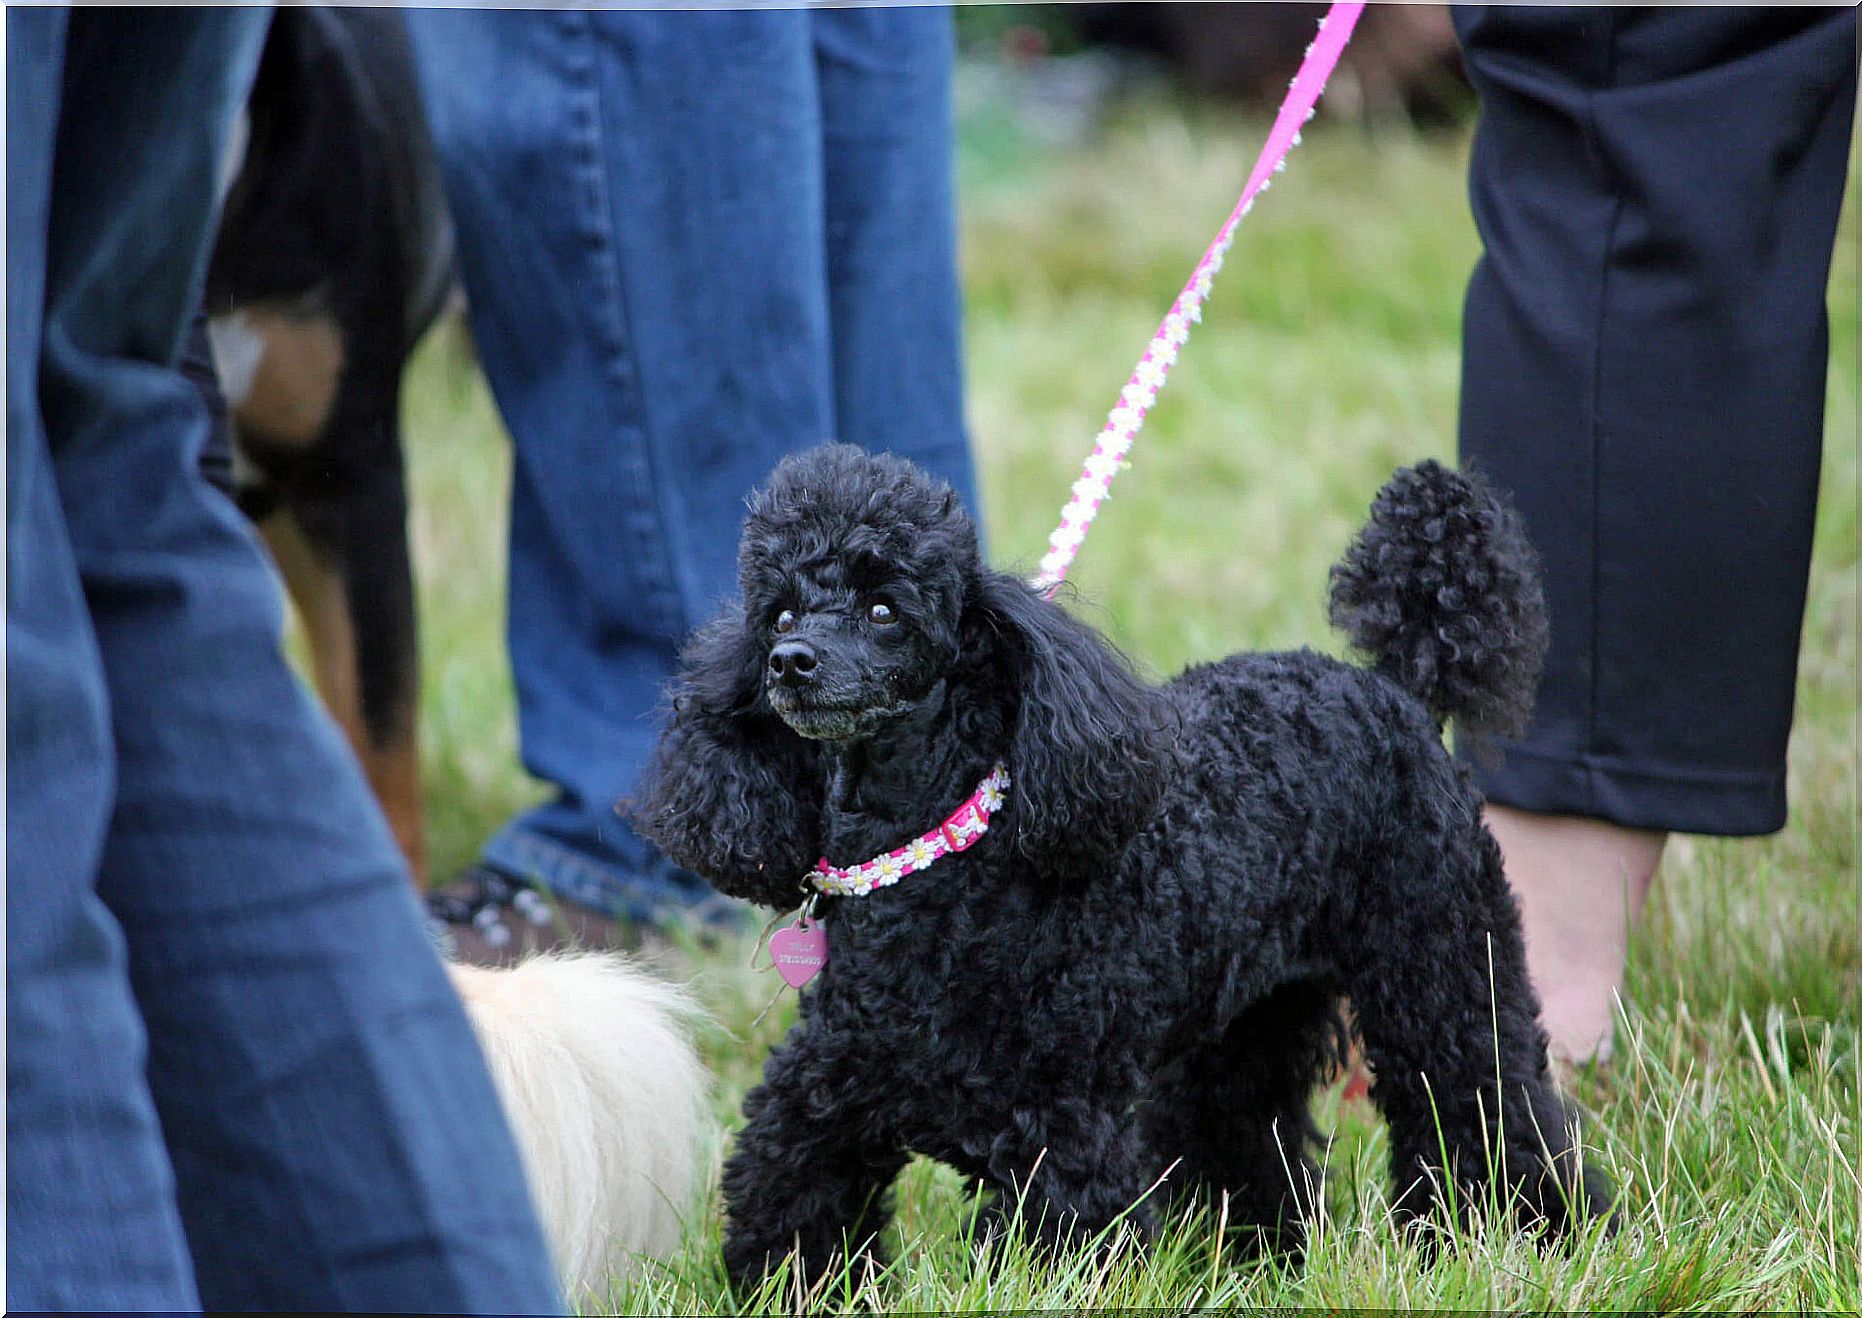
[[1329, 355]]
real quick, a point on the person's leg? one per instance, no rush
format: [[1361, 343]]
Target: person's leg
[[641, 220], [1644, 367], [91, 1219], [1581, 884], [334, 1135], [889, 155], [638, 214]]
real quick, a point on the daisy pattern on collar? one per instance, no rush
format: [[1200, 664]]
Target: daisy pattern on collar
[[966, 823]]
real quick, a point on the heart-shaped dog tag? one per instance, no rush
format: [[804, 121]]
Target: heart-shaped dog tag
[[799, 951]]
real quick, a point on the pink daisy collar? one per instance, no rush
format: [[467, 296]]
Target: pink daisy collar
[[966, 824]]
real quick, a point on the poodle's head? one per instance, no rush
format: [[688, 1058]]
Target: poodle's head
[[866, 602], [855, 570]]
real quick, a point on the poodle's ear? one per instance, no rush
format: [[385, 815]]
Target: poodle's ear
[[1088, 745], [732, 794]]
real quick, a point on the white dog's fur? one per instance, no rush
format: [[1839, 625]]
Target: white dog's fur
[[607, 1098]]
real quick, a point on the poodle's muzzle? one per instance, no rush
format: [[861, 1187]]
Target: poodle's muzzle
[[830, 688]]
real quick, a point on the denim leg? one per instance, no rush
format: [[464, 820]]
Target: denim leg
[[891, 212], [334, 1138], [645, 231], [643, 261], [91, 1218]]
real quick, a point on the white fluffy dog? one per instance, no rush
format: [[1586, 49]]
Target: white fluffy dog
[[594, 1061]]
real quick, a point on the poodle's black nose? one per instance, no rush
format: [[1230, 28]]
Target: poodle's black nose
[[793, 663]]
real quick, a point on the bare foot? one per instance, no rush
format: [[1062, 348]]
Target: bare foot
[[1581, 884]]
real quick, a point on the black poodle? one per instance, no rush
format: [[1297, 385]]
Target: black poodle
[[1131, 965]]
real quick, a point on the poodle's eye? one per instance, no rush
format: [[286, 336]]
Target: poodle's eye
[[785, 622], [881, 613]]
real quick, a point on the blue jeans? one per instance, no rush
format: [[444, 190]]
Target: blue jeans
[[692, 243], [236, 1073]]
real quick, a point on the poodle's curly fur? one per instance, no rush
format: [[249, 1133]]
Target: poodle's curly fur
[[1136, 970]]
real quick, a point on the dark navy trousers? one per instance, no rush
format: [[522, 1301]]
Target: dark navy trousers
[[1646, 348]]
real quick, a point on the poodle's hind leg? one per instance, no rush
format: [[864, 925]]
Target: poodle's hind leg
[[1435, 966], [1237, 1120]]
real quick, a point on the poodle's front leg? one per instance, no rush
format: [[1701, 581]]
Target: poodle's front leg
[[1072, 1170], [809, 1175]]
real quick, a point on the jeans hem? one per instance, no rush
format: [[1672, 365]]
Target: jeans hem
[[663, 895]]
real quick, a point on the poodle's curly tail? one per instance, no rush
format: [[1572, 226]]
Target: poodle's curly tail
[[1441, 591]]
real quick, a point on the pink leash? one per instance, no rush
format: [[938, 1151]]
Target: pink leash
[[800, 951], [1141, 390]]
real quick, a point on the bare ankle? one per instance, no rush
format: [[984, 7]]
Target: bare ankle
[[1581, 884]]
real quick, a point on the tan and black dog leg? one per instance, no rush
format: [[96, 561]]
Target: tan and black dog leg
[[369, 681], [321, 437]]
